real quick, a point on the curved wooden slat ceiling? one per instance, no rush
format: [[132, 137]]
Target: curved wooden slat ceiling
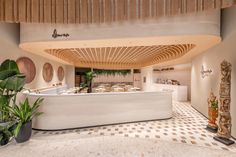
[[100, 11], [120, 57]]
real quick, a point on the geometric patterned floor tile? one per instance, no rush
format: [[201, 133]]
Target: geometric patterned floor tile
[[186, 126]]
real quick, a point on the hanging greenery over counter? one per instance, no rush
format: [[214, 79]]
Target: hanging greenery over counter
[[111, 72]]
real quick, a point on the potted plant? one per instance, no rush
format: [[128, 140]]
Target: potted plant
[[6, 133], [212, 113], [11, 83], [23, 114], [88, 82]]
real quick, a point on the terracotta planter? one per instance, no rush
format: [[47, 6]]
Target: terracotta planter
[[25, 133], [212, 114]]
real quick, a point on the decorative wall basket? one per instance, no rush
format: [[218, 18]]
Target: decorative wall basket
[[47, 72], [60, 73], [27, 67]]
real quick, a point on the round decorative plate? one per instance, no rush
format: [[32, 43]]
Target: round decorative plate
[[47, 72], [27, 67], [60, 73]]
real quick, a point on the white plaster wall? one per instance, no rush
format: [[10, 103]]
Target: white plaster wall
[[182, 75], [9, 49], [211, 59], [114, 78], [191, 24], [70, 76], [147, 72]]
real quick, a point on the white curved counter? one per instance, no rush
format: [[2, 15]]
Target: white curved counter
[[85, 110]]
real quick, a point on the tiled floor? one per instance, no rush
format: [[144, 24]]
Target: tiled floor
[[186, 126]]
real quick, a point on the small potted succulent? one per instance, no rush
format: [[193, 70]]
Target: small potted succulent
[[23, 114]]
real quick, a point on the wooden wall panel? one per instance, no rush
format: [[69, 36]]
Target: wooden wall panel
[[16, 11], [96, 11], [175, 7], [28, 11], [160, 8], [35, 10], [100, 11], [107, 11], [191, 5], [84, 11], [22, 11], [65, 11], [89, 19], [2, 10], [120, 11], [41, 11], [53, 18], [9, 11], [71, 11], [102, 14], [47, 11], [60, 11], [145, 13], [77, 11], [133, 10]]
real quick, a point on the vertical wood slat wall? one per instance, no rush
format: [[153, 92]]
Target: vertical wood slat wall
[[100, 11]]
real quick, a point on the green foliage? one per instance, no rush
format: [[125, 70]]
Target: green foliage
[[88, 81], [24, 113], [11, 82], [6, 133], [111, 72], [214, 105]]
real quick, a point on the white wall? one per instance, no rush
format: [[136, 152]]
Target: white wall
[[147, 72], [113, 78], [70, 76], [211, 59], [9, 49], [182, 73]]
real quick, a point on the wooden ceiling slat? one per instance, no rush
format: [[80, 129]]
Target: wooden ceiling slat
[[121, 57], [84, 11], [22, 10], [96, 11], [77, 11], [99, 11], [71, 11], [35, 11], [131, 54], [48, 11], [9, 11], [120, 11], [15, 10], [102, 19], [107, 11], [133, 9], [160, 8], [145, 9], [60, 11], [176, 7], [41, 11], [2, 10], [66, 11], [191, 5], [126, 54], [28, 11]]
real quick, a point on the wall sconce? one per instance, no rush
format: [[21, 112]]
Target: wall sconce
[[205, 72]]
